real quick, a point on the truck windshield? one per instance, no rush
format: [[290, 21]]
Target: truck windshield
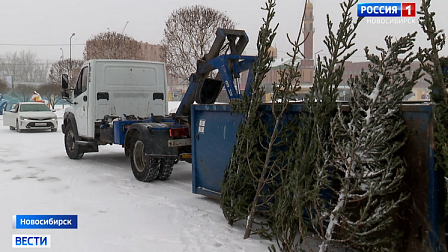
[[33, 107]]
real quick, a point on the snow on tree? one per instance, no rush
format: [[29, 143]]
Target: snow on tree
[[367, 171], [288, 183], [308, 177]]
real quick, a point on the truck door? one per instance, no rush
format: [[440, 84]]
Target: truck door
[[80, 103]]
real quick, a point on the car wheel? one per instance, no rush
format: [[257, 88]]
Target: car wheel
[[11, 128], [145, 168], [17, 127], [71, 148]]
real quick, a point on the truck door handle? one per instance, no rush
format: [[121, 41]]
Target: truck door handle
[[84, 98]]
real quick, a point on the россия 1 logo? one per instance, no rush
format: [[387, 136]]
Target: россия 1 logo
[[386, 10]]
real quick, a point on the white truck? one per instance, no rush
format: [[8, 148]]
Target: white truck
[[123, 102]]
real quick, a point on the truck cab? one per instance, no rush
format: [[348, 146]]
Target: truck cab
[[115, 90]]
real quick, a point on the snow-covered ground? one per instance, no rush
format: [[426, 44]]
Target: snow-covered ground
[[115, 211]]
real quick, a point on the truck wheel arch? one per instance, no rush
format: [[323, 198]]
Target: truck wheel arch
[[151, 139], [69, 118], [144, 132], [127, 141]]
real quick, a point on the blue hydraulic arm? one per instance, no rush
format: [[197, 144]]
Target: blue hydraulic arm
[[227, 59]]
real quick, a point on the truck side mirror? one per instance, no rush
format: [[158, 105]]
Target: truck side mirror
[[64, 81], [64, 95]]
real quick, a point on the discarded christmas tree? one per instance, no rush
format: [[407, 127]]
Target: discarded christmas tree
[[239, 184], [367, 171], [437, 68], [286, 212], [256, 169], [320, 108]]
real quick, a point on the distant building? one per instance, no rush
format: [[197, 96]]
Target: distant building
[[151, 52], [420, 90], [306, 64]]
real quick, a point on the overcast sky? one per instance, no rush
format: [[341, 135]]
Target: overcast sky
[[45, 26]]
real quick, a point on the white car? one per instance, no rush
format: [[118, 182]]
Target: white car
[[30, 116]]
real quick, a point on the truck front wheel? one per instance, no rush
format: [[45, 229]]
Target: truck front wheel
[[71, 148], [145, 168]]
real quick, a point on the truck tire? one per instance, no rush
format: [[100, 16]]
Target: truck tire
[[166, 168], [71, 148], [145, 168]]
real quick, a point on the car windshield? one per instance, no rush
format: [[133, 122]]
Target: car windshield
[[33, 107]]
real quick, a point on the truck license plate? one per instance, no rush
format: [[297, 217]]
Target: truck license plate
[[179, 142], [40, 124]]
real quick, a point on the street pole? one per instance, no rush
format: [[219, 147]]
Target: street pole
[[70, 62]]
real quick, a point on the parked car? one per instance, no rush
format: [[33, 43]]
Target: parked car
[[30, 116]]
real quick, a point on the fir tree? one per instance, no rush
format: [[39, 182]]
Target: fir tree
[[432, 63], [253, 172], [288, 141], [320, 107], [240, 179], [299, 189], [366, 142]]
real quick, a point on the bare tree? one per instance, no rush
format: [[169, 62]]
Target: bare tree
[[188, 35], [24, 67], [50, 92], [112, 45], [63, 66], [3, 86], [23, 92]]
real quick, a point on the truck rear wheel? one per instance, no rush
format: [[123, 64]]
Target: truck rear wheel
[[71, 148], [145, 168], [166, 168]]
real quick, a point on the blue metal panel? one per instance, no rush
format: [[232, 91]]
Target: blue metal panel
[[212, 146], [424, 181], [120, 129]]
